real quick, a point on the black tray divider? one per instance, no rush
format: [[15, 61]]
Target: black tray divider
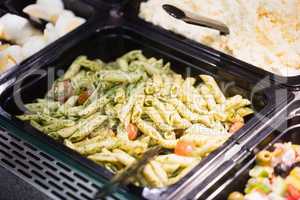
[[256, 136], [108, 4], [226, 175]]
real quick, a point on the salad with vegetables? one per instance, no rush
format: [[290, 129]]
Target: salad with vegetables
[[114, 112], [276, 175]]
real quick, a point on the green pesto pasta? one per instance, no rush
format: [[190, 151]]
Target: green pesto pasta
[[113, 112]]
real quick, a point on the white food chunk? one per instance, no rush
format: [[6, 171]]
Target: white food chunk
[[15, 52], [289, 157], [9, 56], [33, 45], [50, 33], [15, 28], [45, 9], [67, 22]]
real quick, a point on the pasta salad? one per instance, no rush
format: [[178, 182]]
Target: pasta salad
[[113, 112]]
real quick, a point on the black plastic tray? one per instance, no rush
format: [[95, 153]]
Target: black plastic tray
[[131, 11], [234, 174], [111, 41], [80, 7]]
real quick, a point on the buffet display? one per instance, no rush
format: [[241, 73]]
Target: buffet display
[[136, 77]]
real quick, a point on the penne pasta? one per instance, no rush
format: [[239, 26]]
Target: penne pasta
[[88, 127], [112, 113], [138, 108], [157, 119], [214, 88]]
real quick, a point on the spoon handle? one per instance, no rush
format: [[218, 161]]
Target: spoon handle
[[206, 22], [194, 19]]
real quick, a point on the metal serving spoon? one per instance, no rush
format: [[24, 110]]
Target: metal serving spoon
[[191, 18]]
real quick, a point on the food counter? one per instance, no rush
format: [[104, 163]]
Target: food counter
[[109, 82]]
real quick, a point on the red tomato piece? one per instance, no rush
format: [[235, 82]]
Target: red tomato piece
[[184, 148], [290, 198], [132, 131], [293, 192], [84, 95], [236, 126]]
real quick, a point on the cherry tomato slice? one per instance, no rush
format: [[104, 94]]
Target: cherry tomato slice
[[184, 148], [290, 198], [293, 192], [132, 131], [84, 95], [236, 126]]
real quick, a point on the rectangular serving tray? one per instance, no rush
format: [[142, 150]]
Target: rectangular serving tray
[[81, 8], [131, 10]]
